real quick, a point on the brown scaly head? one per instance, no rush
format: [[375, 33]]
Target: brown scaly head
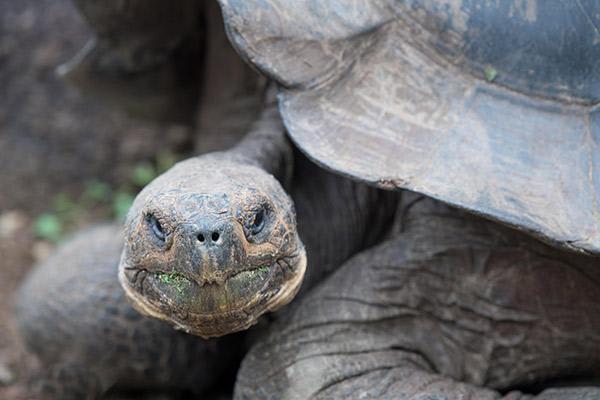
[[211, 245]]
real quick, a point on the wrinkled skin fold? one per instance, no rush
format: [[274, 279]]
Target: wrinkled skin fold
[[213, 244], [454, 307], [73, 315], [211, 274], [448, 306]]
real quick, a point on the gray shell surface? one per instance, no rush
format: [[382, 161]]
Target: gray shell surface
[[489, 106]]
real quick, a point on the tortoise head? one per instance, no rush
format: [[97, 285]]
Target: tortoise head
[[210, 246]]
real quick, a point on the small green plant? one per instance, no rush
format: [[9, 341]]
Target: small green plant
[[96, 192], [143, 173], [48, 226], [62, 203], [100, 197], [121, 204], [67, 209]]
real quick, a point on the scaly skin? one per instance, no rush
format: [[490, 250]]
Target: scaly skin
[[74, 316], [453, 307], [212, 244]]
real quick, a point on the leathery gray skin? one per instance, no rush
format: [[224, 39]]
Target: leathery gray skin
[[73, 315], [212, 244], [452, 307]]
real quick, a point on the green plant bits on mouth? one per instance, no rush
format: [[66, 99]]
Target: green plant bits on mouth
[[173, 279]]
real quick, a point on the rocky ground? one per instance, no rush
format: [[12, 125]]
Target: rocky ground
[[65, 160]]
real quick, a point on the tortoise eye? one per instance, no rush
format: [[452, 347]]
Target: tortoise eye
[[156, 227], [259, 222]]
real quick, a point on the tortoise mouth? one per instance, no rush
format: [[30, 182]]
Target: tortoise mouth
[[210, 309]]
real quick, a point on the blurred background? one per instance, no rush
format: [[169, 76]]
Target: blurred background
[[66, 161]]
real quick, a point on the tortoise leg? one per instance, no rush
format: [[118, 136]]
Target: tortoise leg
[[454, 307], [69, 381], [74, 316]]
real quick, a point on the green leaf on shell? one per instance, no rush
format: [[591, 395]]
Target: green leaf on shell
[[490, 73]]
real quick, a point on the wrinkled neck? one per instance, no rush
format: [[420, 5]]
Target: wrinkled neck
[[266, 145]]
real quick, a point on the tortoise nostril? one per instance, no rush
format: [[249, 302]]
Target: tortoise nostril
[[215, 236]]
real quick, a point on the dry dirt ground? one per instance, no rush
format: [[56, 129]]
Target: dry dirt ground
[[52, 140], [16, 256]]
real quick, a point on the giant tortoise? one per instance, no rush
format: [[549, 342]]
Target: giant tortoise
[[486, 106], [74, 316], [448, 305]]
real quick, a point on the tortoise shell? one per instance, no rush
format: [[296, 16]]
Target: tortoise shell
[[489, 106]]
